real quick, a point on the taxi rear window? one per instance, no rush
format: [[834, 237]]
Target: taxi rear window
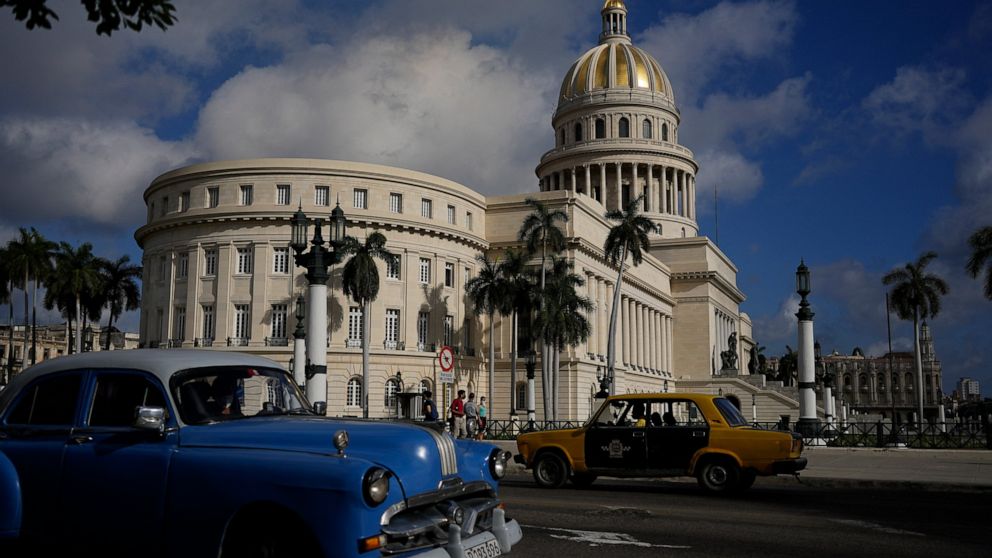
[[730, 413]]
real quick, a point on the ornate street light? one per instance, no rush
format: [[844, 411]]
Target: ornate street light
[[299, 342], [317, 261], [531, 363], [806, 363], [604, 384]]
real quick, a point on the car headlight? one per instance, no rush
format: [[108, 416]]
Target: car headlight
[[497, 463], [375, 486]]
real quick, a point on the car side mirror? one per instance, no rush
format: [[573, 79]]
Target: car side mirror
[[320, 408], [150, 418]]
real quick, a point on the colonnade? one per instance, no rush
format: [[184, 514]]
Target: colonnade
[[724, 325], [666, 189], [644, 333]]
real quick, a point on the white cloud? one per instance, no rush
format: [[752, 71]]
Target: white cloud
[[76, 169], [918, 100], [433, 102], [778, 328], [881, 348]]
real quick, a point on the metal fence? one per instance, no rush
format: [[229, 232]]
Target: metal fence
[[851, 434]]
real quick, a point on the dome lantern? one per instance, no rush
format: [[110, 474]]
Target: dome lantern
[[614, 21]]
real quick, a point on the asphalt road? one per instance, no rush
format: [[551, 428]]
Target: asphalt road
[[777, 517]]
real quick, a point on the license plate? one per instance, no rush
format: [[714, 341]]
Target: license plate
[[488, 549]]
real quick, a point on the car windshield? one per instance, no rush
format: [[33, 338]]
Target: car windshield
[[234, 392], [730, 412]]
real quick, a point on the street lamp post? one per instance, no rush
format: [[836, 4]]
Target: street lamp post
[[531, 363], [300, 344], [317, 261], [807, 395]]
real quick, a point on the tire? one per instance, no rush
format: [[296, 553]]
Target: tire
[[719, 476], [582, 480], [746, 479], [267, 538], [550, 471]]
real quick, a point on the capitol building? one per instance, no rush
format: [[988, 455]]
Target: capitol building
[[219, 273]]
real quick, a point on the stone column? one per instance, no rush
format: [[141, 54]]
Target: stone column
[[588, 186], [656, 339], [593, 314], [624, 316], [606, 317], [640, 335], [619, 198], [574, 181], [635, 188], [671, 345], [602, 184], [807, 394]]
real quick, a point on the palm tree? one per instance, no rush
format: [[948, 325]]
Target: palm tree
[[31, 257], [6, 287], [120, 289], [540, 232], [628, 237], [487, 291], [981, 256], [360, 279], [518, 299], [916, 295], [561, 322], [76, 275]]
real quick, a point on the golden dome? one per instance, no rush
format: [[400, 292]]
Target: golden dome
[[609, 4], [615, 65]]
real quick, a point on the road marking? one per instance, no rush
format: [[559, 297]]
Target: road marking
[[596, 538], [876, 527]]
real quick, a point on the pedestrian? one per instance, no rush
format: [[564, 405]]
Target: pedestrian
[[471, 416], [482, 418], [429, 409], [458, 415]]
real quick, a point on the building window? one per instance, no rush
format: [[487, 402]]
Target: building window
[[624, 128], [425, 386], [562, 136], [423, 323], [151, 211], [600, 128], [282, 194], [280, 260], [426, 208], [395, 203], [451, 215], [210, 262], [355, 326], [361, 198], [165, 207], [468, 220], [449, 274], [392, 328], [322, 196], [179, 323], [466, 276], [246, 194], [354, 393], [392, 387], [578, 132], [646, 129], [425, 271], [393, 267], [521, 402], [183, 270], [244, 261], [449, 330], [184, 202], [664, 132], [467, 334], [208, 321], [213, 196], [162, 268], [242, 323], [279, 321]]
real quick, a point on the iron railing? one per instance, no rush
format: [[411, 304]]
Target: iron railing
[[947, 435]]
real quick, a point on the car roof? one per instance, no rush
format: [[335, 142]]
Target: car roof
[[162, 363], [666, 395]]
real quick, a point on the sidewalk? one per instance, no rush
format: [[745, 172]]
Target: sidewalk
[[954, 470]]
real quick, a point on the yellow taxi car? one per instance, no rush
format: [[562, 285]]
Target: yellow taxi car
[[661, 435]]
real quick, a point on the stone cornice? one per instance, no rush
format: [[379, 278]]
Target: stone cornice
[[714, 278]]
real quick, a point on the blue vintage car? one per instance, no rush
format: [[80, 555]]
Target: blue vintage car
[[204, 453]]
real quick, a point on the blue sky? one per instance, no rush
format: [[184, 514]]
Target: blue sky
[[856, 135]]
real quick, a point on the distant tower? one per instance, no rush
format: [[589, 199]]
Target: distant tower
[[926, 343]]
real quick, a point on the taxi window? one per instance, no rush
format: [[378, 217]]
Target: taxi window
[[730, 412], [118, 396], [50, 401], [676, 414]]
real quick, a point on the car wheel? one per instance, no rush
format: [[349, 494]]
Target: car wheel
[[550, 471], [718, 476], [747, 479], [582, 480], [267, 537]]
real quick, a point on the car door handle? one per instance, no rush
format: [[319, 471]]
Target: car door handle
[[80, 439], [638, 434], [698, 434]]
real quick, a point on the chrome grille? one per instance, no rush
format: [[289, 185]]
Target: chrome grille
[[446, 448]]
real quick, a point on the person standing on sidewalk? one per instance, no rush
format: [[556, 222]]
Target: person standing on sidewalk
[[471, 416], [458, 415], [482, 418]]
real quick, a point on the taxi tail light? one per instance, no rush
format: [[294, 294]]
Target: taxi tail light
[[368, 544]]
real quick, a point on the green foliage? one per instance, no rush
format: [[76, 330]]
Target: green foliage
[[629, 236], [916, 294], [76, 275], [540, 228], [120, 289], [487, 290], [109, 15], [981, 257], [360, 277], [561, 321]]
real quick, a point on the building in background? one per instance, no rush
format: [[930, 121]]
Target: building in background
[[968, 389], [53, 342]]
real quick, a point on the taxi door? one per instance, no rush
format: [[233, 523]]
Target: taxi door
[[615, 446], [672, 445]]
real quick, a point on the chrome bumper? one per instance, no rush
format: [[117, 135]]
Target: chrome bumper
[[507, 533]]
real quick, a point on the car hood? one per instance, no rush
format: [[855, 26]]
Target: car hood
[[410, 451]]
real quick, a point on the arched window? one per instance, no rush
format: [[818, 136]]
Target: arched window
[[563, 136], [425, 386], [863, 382], [624, 128], [392, 387], [600, 128], [354, 397], [909, 382], [664, 132], [881, 382], [578, 132], [847, 382], [895, 381], [521, 396], [646, 129]]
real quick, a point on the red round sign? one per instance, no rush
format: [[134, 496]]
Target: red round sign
[[446, 358]]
